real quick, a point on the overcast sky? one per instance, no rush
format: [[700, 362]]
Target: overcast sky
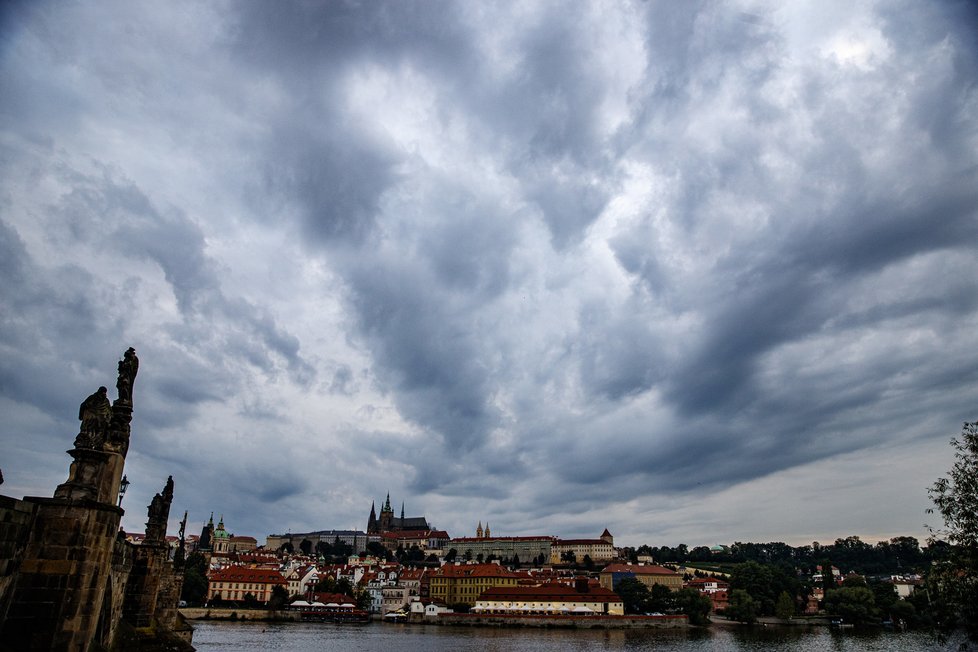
[[692, 271]]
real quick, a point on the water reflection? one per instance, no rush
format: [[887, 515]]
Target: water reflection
[[325, 637]]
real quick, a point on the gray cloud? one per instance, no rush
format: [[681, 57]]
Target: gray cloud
[[562, 267]]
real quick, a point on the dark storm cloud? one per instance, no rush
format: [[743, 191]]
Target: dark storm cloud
[[550, 262], [425, 342]]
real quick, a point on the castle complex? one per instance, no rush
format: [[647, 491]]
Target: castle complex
[[389, 523], [69, 580]]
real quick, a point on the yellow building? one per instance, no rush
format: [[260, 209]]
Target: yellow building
[[647, 574], [598, 550], [554, 598], [464, 583], [235, 582]]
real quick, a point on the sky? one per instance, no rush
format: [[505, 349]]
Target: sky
[[695, 272]]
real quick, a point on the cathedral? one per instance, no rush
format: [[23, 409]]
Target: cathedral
[[387, 522]]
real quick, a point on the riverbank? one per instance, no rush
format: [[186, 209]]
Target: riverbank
[[558, 622], [459, 619], [766, 621], [259, 615]]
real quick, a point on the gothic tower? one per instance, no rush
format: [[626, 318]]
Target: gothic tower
[[387, 516], [372, 527]]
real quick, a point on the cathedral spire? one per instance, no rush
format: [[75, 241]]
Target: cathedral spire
[[372, 520], [402, 514], [387, 505]]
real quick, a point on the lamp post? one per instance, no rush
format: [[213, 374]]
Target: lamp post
[[122, 489]]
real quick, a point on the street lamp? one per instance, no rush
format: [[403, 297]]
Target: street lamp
[[122, 489]]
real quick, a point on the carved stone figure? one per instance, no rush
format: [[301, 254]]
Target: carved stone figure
[[128, 367], [95, 414], [159, 509]]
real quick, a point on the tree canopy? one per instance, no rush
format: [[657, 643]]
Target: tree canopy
[[954, 582]]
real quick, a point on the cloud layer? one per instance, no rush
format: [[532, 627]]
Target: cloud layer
[[637, 266]]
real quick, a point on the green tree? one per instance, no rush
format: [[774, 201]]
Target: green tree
[[342, 548], [694, 604], [306, 546], [250, 601], [362, 599], [764, 582], [784, 608], [326, 584], [741, 607], [954, 583], [414, 554], [344, 586], [901, 610], [323, 549], [660, 598], [195, 580], [451, 554], [855, 604], [884, 593], [279, 597], [634, 595]]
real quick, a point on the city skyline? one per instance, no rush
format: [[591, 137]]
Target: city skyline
[[692, 272]]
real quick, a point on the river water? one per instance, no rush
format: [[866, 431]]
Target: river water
[[211, 636]]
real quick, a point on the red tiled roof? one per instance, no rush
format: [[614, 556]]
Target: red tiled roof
[[468, 539], [580, 542], [554, 592], [326, 598], [413, 574], [416, 534], [243, 574]]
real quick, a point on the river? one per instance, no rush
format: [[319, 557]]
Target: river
[[211, 636]]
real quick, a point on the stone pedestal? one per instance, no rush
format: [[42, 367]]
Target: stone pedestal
[[94, 475], [149, 566], [64, 573]]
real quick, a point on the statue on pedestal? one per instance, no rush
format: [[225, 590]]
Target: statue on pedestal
[[128, 367], [95, 414]]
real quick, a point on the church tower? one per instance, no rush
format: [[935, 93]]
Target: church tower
[[372, 521], [205, 542], [387, 516], [478, 531]]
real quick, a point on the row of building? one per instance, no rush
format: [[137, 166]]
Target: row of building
[[406, 532], [392, 587]]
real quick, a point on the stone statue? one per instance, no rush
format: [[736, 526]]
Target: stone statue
[[159, 509], [128, 367], [95, 414]]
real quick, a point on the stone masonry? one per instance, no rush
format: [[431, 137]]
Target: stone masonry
[[67, 577]]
